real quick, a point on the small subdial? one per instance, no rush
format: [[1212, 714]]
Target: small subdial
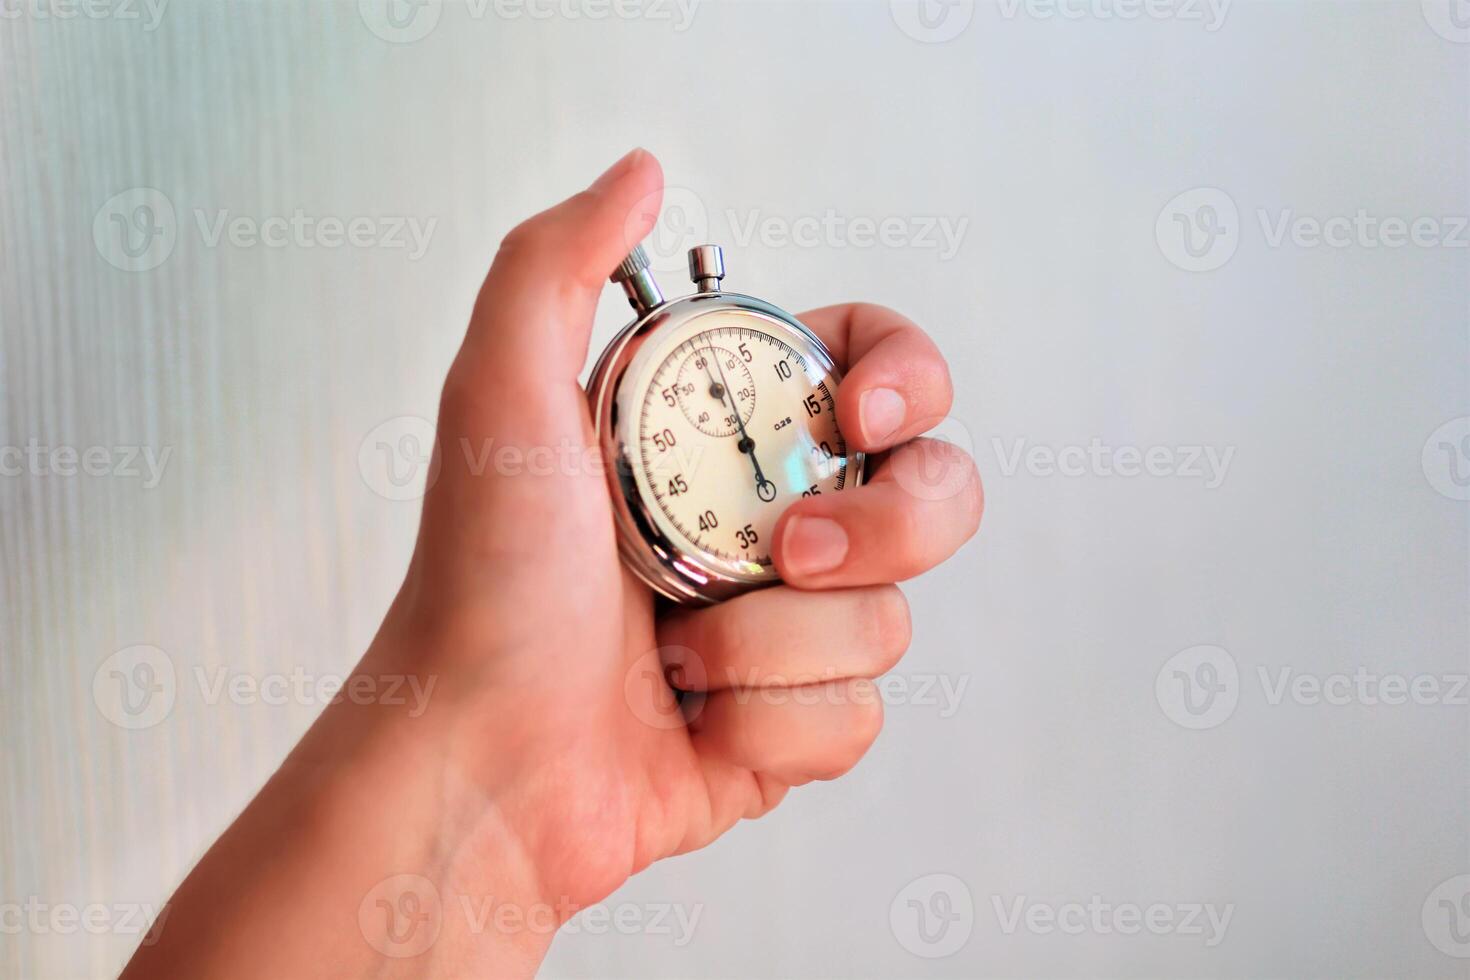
[[710, 381]]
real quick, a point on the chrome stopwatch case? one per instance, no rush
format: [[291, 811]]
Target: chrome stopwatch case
[[714, 412]]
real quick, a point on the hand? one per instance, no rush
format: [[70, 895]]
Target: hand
[[552, 761]]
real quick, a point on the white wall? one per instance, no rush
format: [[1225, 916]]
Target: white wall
[[1059, 774]]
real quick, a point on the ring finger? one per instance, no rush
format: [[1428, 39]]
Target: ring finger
[[922, 503]]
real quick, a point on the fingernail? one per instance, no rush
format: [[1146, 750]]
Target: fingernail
[[618, 169], [880, 413], [813, 544]]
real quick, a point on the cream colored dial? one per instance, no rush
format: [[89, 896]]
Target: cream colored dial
[[737, 422]]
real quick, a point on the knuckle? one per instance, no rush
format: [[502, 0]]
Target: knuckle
[[523, 238], [959, 476], [866, 719], [940, 451], [908, 545], [972, 496], [875, 312], [727, 635], [460, 398], [862, 724], [946, 388], [886, 611], [529, 244], [932, 380], [546, 230]]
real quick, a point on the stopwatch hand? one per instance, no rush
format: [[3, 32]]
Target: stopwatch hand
[[746, 444]]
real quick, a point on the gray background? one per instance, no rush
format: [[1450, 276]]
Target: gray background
[[1334, 542]]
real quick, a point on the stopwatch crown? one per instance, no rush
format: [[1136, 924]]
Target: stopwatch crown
[[635, 262], [637, 282]]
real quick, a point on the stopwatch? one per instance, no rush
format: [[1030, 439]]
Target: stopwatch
[[714, 411]]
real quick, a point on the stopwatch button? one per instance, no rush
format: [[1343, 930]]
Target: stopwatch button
[[707, 267]]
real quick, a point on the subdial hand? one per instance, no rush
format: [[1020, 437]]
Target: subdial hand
[[716, 389]]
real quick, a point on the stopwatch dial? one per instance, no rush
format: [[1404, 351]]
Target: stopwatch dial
[[737, 423], [702, 395]]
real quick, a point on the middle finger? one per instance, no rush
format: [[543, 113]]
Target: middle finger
[[921, 504], [784, 637]]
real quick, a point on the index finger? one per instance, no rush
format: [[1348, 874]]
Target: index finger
[[896, 384]]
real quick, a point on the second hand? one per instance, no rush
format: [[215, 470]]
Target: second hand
[[764, 489]]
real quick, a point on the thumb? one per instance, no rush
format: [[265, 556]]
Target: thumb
[[513, 389], [534, 314]]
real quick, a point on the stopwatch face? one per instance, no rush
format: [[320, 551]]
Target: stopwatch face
[[734, 419]]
